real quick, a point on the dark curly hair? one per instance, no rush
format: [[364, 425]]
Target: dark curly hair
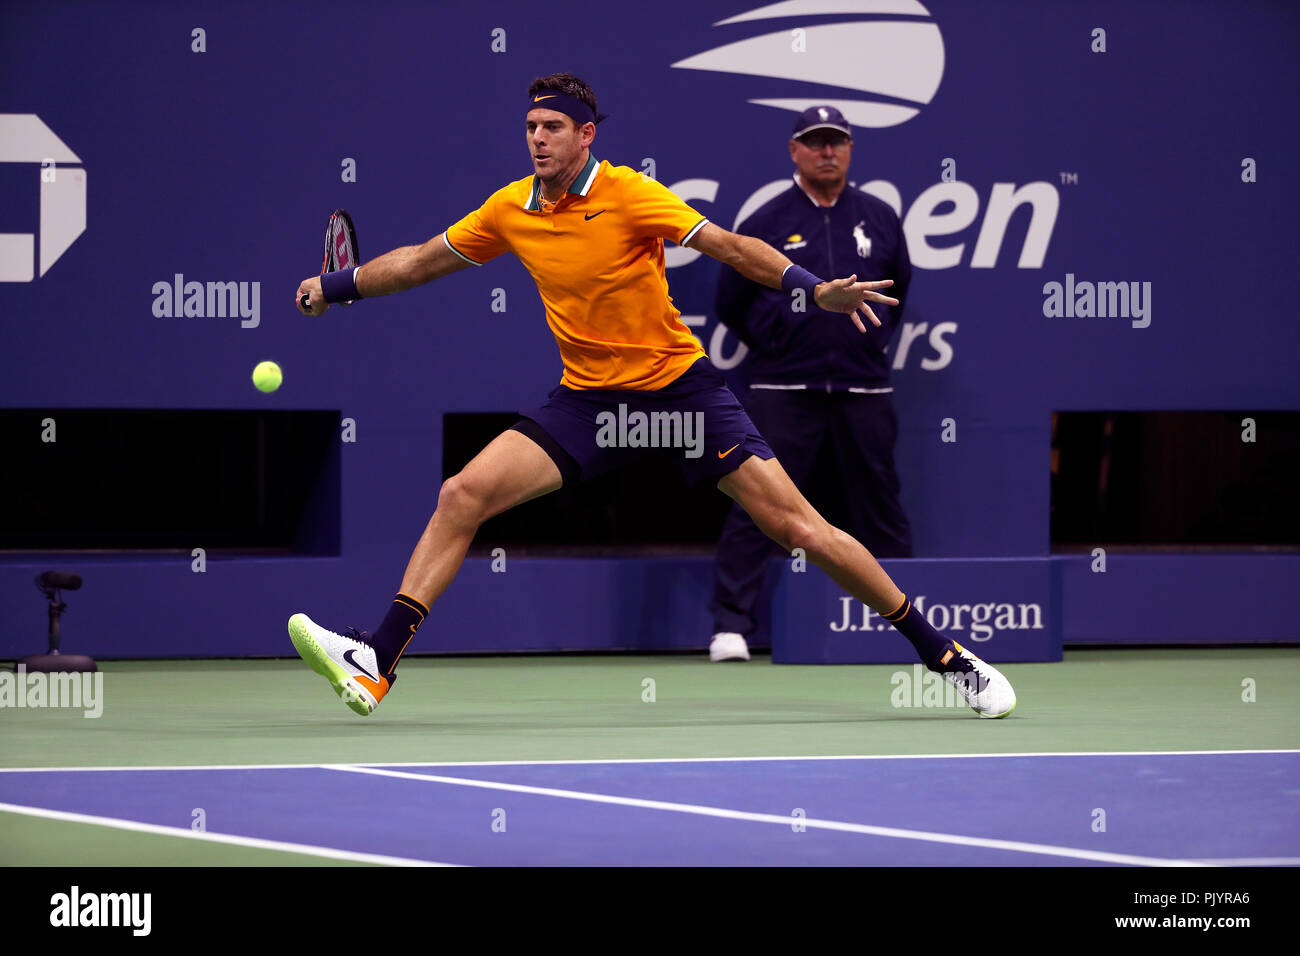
[[565, 83]]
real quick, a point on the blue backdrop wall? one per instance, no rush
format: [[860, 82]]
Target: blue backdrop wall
[[1023, 144]]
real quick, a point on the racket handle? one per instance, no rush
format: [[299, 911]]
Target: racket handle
[[305, 301]]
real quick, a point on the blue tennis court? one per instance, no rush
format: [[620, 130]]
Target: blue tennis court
[[1141, 809]]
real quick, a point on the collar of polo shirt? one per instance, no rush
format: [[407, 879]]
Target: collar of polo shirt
[[581, 185]]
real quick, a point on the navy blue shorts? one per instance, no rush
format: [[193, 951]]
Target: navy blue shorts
[[695, 420]]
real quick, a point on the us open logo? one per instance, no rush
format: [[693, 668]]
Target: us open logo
[[899, 62], [57, 173]]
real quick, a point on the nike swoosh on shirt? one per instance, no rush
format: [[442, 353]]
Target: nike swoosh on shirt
[[594, 214], [347, 656], [724, 454]]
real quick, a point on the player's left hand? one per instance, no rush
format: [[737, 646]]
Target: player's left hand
[[851, 296]]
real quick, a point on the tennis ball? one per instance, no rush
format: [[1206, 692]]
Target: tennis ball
[[267, 376]]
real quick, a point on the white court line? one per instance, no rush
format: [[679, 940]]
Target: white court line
[[185, 833], [652, 760], [215, 766], [785, 821]]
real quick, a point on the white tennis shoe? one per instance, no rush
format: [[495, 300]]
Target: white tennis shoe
[[346, 660], [728, 646], [981, 684]]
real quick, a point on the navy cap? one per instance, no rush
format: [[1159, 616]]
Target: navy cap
[[820, 117]]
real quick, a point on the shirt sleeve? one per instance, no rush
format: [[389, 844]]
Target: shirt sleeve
[[476, 238], [655, 211]]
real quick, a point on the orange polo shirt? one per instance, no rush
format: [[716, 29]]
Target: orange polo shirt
[[597, 257]]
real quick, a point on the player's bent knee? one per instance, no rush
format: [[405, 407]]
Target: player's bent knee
[[460, 502]]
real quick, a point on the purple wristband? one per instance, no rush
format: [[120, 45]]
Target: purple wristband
[[797, 277], [340, 286]]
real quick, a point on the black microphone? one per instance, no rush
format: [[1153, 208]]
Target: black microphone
[[64, 580]]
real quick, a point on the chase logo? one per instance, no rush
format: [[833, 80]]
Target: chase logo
[[899, 63], [24, 138]]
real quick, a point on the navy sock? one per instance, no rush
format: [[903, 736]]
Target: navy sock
[[404, 617], [935, 650]]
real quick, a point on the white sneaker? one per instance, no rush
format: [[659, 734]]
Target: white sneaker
[[346, 660], [983, 686], [728, 646]]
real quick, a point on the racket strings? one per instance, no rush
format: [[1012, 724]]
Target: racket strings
[[341, 242]]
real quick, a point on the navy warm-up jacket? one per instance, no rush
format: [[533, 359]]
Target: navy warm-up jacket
[[859, 235]]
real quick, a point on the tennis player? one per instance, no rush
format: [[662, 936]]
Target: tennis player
[[592, 236]]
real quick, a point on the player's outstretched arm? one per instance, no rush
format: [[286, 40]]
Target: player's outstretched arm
[[756, 260], [403, 268]]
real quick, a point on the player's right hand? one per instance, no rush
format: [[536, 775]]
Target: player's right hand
[[316, 304], [851, 297]]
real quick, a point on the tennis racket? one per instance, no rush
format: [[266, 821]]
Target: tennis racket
[[340, 248]]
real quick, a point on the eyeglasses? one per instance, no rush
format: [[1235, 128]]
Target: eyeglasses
[[820, 140]]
